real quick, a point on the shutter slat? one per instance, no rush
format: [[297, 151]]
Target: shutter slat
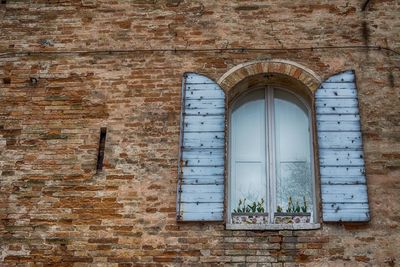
[[356, 216], [194, 197], [198, 180], [202, 153], [203, 124], [336, 93], [342, 167], [203, 207], [204, 103], [199, 140], [202, 170], [343, 77], [340, 153], [205, 111], [354, 207], [341, 171], [336, 86], [194, 78], [346, 180], [337, 110], [201, 189], [200, 194], [340, 140], [338, 125], [202, 216], [338, 161], [335, 103], [339, 117], [204, 162]]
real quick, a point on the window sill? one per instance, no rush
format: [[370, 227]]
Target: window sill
[[255, 227]]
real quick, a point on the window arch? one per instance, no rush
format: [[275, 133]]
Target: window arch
[[270, 152]]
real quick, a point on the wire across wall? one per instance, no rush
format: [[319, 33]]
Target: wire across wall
[[6, 54]]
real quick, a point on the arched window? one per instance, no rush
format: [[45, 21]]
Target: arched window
[[270, 152], [270, 148]]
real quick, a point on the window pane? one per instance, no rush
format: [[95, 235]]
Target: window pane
[[293, 155], [248, 176]]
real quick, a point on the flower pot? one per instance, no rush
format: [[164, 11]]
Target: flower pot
[[292, 218], [249, 218]]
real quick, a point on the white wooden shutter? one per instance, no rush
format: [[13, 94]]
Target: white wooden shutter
[[200, 195], [342, 170]]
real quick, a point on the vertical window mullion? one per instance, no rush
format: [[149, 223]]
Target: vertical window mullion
[[267, 165], [270, 151]]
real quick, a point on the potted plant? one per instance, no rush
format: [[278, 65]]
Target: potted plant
[[294, 213], [249, 214]]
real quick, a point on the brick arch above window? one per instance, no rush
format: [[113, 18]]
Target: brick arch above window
[[302, 74]]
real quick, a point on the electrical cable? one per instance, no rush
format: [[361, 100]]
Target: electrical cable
[[193, 50]]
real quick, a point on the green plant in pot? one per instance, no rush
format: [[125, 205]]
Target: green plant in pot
[[294, 214], [252, 213]]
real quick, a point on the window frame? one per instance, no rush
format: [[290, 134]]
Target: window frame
[[270, 159]]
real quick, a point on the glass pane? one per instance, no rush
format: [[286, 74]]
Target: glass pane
[[293, 152], [247, 168]]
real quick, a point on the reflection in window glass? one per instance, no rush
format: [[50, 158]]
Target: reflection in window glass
[[248, 150], [293, 152]]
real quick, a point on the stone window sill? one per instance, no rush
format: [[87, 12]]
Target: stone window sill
[[254, 227]]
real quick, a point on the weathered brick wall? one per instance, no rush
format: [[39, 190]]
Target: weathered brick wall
[[56, 211]]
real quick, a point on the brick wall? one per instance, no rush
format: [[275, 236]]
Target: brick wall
[[55, 210]]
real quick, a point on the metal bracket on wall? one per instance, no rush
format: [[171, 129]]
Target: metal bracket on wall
[[102, 144]]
